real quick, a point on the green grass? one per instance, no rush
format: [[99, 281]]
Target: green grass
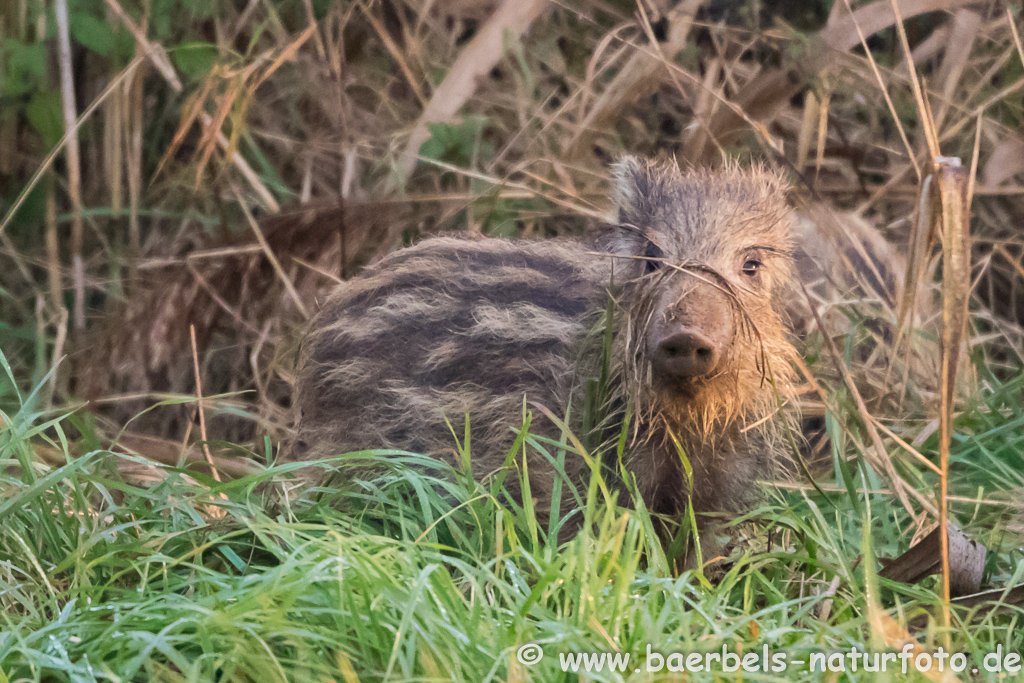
[[423, 574]]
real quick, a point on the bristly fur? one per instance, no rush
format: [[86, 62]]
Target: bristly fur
[[455, 325], [757, 366]]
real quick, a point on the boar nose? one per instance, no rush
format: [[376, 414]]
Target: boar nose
[[686, 353]]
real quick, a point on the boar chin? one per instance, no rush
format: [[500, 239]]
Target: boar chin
[[711, 407]]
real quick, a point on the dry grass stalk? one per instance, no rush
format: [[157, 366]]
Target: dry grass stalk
[[762, 99], [962, 35], [952, 181], [882, 88], [479, 56], [1016, 35], [975, 152], [158, 56], [69, 132], [843, 29], [808, 124], [253, 178], [907, 447], [880, 458], [819, 157], [131, 93], [396, 53], [639, 75], [928, 128], [951, 209], [155, 52], [199, 406], [997, 97], [53, 267], [69, 110], [223, 104], [113, 154], [285, 280]]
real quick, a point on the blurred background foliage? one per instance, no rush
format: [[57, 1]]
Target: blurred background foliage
[[235, 158]]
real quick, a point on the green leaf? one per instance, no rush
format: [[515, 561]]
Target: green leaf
[[195, 59], [92, 33], [459, 143], [321, 8], [44, 115], [25, 67], [160, 17], [232, 557], [202, 10], [33, 209], [439, 142], [124, 47]]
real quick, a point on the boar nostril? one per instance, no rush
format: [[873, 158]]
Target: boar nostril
[[686, 353]]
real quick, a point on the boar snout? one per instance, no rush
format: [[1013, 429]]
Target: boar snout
[[687, 353], [693, 336]]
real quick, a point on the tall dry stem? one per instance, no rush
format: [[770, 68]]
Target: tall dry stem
[[950, 208], [951, 188], [69, 110]]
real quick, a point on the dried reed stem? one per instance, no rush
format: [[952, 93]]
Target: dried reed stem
[[927, 121], [884, 91], [53, 270], [69, 110], [132, 102], [1016, 35], [113, 148], [199, 405], [475, 60], [269, 253], [956, 273], [881, 459]]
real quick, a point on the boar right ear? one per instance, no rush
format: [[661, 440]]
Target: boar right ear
[[639, 187], [636, 182], [631, 183]]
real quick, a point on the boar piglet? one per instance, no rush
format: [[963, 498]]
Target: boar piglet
[[696, 266]]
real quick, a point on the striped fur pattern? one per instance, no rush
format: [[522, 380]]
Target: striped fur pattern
[[454, 325]]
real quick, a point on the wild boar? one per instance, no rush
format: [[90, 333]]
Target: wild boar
[[692, 276]]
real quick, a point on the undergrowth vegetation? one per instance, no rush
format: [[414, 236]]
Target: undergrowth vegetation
[[423, 573], [180, 183]]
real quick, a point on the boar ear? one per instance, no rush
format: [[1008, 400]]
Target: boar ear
[[636, 182], [638, 187], [631, 183]]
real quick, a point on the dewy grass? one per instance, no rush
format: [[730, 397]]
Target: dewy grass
[[422, 573]]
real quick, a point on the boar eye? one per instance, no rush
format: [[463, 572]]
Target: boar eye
[[653, 254], [751, 267]]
